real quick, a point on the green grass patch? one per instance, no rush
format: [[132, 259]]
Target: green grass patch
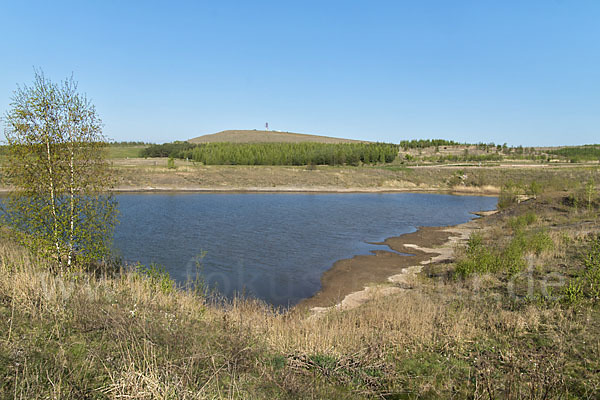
[[124, 151], [482, 257]]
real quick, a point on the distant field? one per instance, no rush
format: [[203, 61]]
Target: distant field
[[253, 136]]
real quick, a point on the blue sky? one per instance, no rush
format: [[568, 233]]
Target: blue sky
[[522, 72]]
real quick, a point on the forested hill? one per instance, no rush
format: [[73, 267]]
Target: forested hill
[[254, 136]]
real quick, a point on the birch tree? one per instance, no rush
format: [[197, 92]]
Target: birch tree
[[59, 204]]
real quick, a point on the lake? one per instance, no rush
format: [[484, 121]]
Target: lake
[[273, 246]]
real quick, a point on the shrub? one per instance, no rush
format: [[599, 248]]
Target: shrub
[[508, 195], [156, 277], [478, 258], [539, 242], [573, 292], [512, 258], [591, 261], [534, 188], [587, 284], [517, 223]]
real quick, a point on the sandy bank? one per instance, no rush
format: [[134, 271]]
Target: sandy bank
[[351, 282]]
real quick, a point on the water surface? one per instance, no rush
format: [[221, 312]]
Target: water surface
[[273, 246]]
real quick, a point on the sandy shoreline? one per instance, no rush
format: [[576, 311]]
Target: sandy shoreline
[[351, 282]]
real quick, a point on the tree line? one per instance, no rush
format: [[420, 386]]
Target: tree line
[[590, 152], [424, 143], [277, 153]]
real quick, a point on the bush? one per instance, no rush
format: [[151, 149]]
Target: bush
[[522, 221], [534, 189], [587, 284], [573, 292], [508, 195], [171, 163], [512, 258], [591, 261], [478, 258], [540, 242], [156, 278]]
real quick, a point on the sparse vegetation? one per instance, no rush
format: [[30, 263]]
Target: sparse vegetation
[[465, 157]]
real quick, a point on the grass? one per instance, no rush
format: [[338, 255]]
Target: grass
[[124, 151], [525, 326]]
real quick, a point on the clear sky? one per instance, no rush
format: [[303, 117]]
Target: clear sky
[[523, 72]]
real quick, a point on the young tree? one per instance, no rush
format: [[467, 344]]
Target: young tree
[[59, 203]]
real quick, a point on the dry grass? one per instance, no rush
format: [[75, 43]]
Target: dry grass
[[144, 173]]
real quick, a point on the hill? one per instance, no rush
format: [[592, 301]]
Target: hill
[[254, 136]]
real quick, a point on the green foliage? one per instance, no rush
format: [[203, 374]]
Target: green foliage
[[508, 194], [481, 258], [589, 152], [512, 258], [590, 193], [118, 150], [583, 195], [466, 157], [173, 149], [517, 223], [539, 242], [586, 284], [156, 278], [277, 153], [591, 261], [534, 188], [478, 259], [171, 163], [56, 165], [424, 143], [127, 143], [573, 291]]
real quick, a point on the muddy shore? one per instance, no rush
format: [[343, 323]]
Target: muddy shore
[[351, 280]]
